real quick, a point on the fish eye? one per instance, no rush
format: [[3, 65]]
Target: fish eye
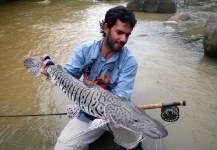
[[136, 120]]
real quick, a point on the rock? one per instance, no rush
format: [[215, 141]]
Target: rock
[[180, 17], [210, 37], [150, 6], [169, 23], [154, 6], [135, 5], [44, 2], [167, 6], [194, 39]]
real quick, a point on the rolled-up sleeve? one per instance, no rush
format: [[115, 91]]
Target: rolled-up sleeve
[[75, 64]]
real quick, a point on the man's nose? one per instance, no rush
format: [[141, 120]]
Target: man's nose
[[124, 38]]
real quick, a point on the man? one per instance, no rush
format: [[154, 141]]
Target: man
[[111, 65]]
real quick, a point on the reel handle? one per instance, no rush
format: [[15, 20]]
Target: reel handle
[[161, 105]]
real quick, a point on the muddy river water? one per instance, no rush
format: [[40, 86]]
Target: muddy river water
[[170, 69]]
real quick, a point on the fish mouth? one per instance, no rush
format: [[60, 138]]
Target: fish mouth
[[156, 135]]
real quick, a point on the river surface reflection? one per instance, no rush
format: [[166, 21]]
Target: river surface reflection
[[169, 70]]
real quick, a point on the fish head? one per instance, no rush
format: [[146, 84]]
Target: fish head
[[148, 126], [135, 119]]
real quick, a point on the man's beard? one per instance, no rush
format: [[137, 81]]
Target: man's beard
[[111, 43]]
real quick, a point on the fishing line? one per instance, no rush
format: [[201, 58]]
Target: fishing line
[[153, 143], [34, 115]]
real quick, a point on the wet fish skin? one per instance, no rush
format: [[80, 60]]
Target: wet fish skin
[[101, 103]]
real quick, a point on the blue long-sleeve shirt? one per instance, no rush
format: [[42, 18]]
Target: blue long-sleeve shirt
[[123, 74]]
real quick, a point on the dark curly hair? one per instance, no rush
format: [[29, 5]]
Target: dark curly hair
[[118, 12]]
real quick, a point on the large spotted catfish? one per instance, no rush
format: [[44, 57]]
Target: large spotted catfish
[[97, 102]]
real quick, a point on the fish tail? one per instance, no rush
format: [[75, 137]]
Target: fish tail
[[35, 65]]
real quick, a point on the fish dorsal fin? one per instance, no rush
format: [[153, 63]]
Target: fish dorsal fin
[[91, 85], [59, 67]]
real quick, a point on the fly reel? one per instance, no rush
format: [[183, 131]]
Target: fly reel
[[170, 113]]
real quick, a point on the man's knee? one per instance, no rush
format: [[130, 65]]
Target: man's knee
[[62, 146]]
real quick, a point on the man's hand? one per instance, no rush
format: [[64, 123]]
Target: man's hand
[[43, 70]]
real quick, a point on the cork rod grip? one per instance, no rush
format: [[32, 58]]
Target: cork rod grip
[[160, 105]]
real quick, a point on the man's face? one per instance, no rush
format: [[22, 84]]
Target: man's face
[[117, 36]]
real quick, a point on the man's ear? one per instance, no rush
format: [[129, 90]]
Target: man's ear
[[105, 28]]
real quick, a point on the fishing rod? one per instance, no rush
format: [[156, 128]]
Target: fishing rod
[[161, 105], [169, 111]]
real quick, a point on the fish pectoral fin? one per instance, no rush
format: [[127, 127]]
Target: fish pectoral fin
[[72, 111], [97, 123], [59, 67]]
